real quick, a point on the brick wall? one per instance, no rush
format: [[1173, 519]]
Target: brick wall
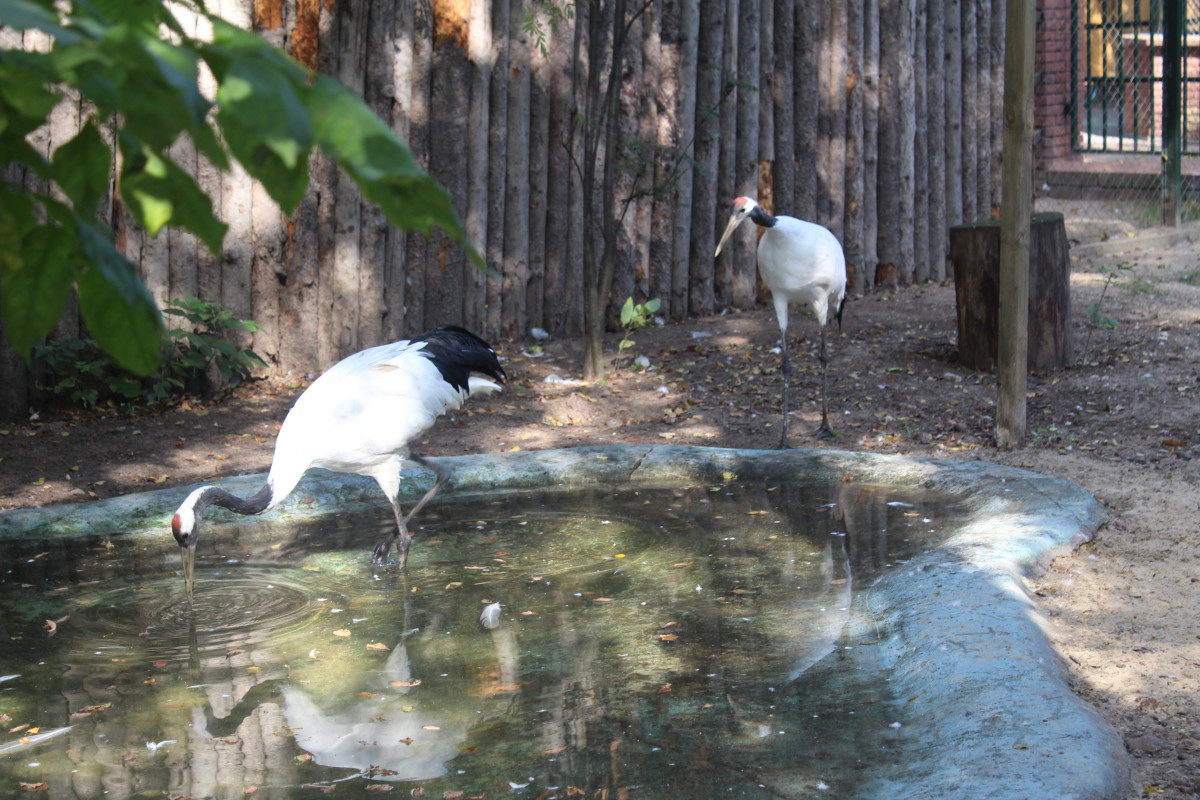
[[1052, 95]]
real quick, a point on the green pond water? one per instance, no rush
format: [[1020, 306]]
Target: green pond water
[[692, 642]]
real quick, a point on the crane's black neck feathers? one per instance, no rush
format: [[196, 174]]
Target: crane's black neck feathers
[[762, 218], [216, 496], [457, 353]]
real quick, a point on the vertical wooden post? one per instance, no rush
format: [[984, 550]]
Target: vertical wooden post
[[1014, 222], [1172, 87]]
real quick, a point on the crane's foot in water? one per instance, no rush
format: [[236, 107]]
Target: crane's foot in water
[[380, 557]]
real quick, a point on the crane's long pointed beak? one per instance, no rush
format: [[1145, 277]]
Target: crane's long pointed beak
[[189, 570], [729, 229]]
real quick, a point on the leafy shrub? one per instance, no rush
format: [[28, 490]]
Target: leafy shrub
[[77, 372]]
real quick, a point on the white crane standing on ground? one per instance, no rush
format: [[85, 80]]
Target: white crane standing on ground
[[800, 262], [359, 417]]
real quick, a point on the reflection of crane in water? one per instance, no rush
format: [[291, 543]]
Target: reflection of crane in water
[[391, 729]]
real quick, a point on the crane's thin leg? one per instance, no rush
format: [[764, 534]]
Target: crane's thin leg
[[402, 537], [823, 431], [787, 379]]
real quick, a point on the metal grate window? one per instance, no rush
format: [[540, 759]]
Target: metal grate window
[[1117, 61]]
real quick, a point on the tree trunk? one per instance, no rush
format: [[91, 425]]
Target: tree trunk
[[539, 166], [728, 186], [999, 21], [975, 254], [836, 80], [324, 176], [516, 182], [896, 133], [870, 145], [479, 50], [705, 189], [935, 83], [782, 87], [852, 232], [418, 248], [378, 91], [685, 145], [661, 79], [395, 289], [805, 103], [345, 310], [920, 149], [983, 111], [742, 253], [448, 156], [497, 166], [954, 111], [559, 224], [970, 114]]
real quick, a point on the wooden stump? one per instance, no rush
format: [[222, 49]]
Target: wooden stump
[[975, 255]]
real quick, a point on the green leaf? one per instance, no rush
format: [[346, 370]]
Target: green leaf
[[118, 310], [25, 101], [157, 192], [81, 168], [267, 128], [381, 164], [16, 217], [653, 305], [627, 311], [34, 297], [23, 15]]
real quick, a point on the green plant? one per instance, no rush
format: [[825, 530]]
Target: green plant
[[134, 71], [1095, 315], [79, 373], [192, 352], [1192, 276], [634, 317]]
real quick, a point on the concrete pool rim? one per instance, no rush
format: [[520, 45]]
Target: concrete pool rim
[[986, 711]]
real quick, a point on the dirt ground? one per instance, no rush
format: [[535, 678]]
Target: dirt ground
[[1123, 422]]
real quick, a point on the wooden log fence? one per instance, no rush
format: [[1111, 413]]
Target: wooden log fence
[[879, 119]]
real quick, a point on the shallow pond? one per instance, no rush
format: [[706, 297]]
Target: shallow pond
[[649, 642]]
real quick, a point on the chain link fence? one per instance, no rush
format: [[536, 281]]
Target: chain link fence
[[1117, 64]]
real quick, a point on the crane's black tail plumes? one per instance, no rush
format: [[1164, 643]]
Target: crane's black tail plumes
[[841, 305], [457, 353]]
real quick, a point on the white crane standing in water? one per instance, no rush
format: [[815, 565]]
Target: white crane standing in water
[[359, 417], [800, 262]]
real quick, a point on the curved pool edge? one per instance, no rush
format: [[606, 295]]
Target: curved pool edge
[[982, 706]]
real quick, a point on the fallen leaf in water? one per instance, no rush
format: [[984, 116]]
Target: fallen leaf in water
[[453, 585], [342, 632], [19, 728], [377, 646], [225, 739], [528, 613], [365, 694], [379, 787], [667, 637], [34, 787], [160, 664], [50, 626], [249, 790], [683, 563], [405, 684], [668, 624], [602, 600], [452, 795], [431, 727], [417, 792], [406, 740], [314, 653], [304, 757], [666, 687], [321, 787]]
